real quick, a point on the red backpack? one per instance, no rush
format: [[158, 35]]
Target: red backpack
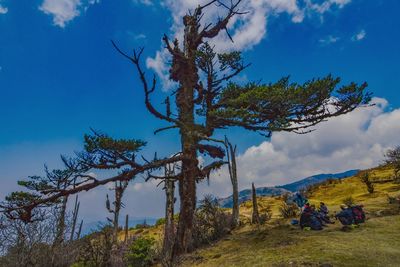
[[358, 214]]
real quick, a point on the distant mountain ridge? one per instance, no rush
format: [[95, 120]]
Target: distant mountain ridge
[[245, 195], [303, 183]]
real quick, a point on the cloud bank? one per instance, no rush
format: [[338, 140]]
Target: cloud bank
[[356, 140]]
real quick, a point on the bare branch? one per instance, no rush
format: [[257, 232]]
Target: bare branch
[[136, 61]]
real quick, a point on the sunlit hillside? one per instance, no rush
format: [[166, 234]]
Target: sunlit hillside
[[376, 243]]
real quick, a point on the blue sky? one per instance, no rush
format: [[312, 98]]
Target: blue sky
[[59, 74]]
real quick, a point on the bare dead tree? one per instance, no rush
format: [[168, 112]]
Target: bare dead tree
[[78, 235], [126, 228], [169, 228], [119, 189], [74, 218], [255, 217], [231, 155]]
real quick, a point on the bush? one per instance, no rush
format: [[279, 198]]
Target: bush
[[288, 210], [161, 221], [96, 249], [365, 179], [141, 252], [265, 213], [210, 222]]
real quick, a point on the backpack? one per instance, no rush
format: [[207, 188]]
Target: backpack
[[358, 214]]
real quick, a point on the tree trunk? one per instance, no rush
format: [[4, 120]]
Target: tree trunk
[[126, 228], [187, 193], [61, 222], [185, 72], [255, 219], [74, 218], [169, 222], [231, 153], [117, 208], [78, 235], [187, 183]]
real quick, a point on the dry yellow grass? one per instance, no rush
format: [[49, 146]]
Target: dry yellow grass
[[376, 243]]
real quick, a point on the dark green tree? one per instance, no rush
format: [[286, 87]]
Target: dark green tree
[[206, 99]]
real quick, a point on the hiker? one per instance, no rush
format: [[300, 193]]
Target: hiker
[[317, 215], [345, 216], [323, 213], [308, 218]]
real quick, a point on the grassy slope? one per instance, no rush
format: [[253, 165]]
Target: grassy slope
[[376, 243]]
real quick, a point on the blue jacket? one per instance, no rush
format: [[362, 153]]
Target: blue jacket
[[346, 216]]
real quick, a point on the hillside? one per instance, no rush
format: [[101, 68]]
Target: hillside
[[245, 195], [303, 183], [375, 243]]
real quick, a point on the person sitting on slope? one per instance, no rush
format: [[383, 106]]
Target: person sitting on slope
[[345, 216], [309, 219], [324, 213]]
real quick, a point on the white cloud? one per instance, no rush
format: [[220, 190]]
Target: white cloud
[[247, 30], [144, 2], [3, 10], [158, 65], [64, 11], [329, 40], [140, 36], [359, 36], [355, 140], [324, 6]]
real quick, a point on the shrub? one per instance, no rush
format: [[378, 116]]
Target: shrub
[[365, 179], [96, 249], [141, 252], [160, 221], [394, 202], [210, 222], [288, 210], [265, 213]]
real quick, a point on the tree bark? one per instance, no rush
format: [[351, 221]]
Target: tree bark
[[126, 228], [231, 154], [74, 218], [255, 218], [61, 222], [78, 235], [169, 222], [117, 208], [187, 193], [188, 79]]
